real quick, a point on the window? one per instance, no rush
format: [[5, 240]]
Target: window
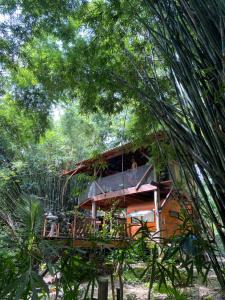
[[149, 217], [135, 220], [142, 215], [174, 214]]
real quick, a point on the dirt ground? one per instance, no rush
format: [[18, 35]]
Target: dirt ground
[[196, 292]]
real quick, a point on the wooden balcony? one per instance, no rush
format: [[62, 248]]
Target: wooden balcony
[[87, 232]]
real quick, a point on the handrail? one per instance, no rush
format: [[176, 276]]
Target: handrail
[[81, 228], [121, 180]]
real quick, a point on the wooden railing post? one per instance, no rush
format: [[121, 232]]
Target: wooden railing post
[[58, 229], [93, 214], [74, 225], [44, 229], [102, 289]]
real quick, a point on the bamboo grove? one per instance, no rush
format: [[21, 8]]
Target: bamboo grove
[[164, 59], [190, 37]]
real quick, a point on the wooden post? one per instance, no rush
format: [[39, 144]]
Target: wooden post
[[103, 289], [118, 296], [58, 230], [93, 210], [74, 225], [93, 214], [44, 229], [112, 285], [120, 282], [157, 206], [92, 288]]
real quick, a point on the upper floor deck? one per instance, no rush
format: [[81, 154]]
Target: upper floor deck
[[131, 181], [120, 173]]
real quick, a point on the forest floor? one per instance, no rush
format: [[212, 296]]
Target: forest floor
[[139, 291], [209, 291], [196, 292]]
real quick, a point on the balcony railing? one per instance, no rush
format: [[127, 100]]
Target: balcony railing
[[116, 182], [81, 227]]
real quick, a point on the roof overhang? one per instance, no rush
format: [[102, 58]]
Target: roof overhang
[[87, 164]]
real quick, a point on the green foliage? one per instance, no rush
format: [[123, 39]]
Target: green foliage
[[25, 252], [134, 276], [164, 60], [90, 135], [168, 264], [74, 271], [18, 127], [170, 291]]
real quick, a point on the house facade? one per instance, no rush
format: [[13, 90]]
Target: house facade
[[126, 179]]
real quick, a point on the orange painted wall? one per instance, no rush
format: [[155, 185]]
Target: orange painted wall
[[140, 206], [133, 228], [170, 224]]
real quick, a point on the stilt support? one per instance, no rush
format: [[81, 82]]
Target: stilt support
[[103, 289]]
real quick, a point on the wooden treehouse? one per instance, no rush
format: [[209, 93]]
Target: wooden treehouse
[[125, 180]]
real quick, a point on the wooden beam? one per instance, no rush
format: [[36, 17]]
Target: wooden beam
[[145, 155], [101, 189], [85, 243], [167, 197], [162, 184], [124, 192], [132, 198], [150, 168], [157, 184], [140, 197]]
